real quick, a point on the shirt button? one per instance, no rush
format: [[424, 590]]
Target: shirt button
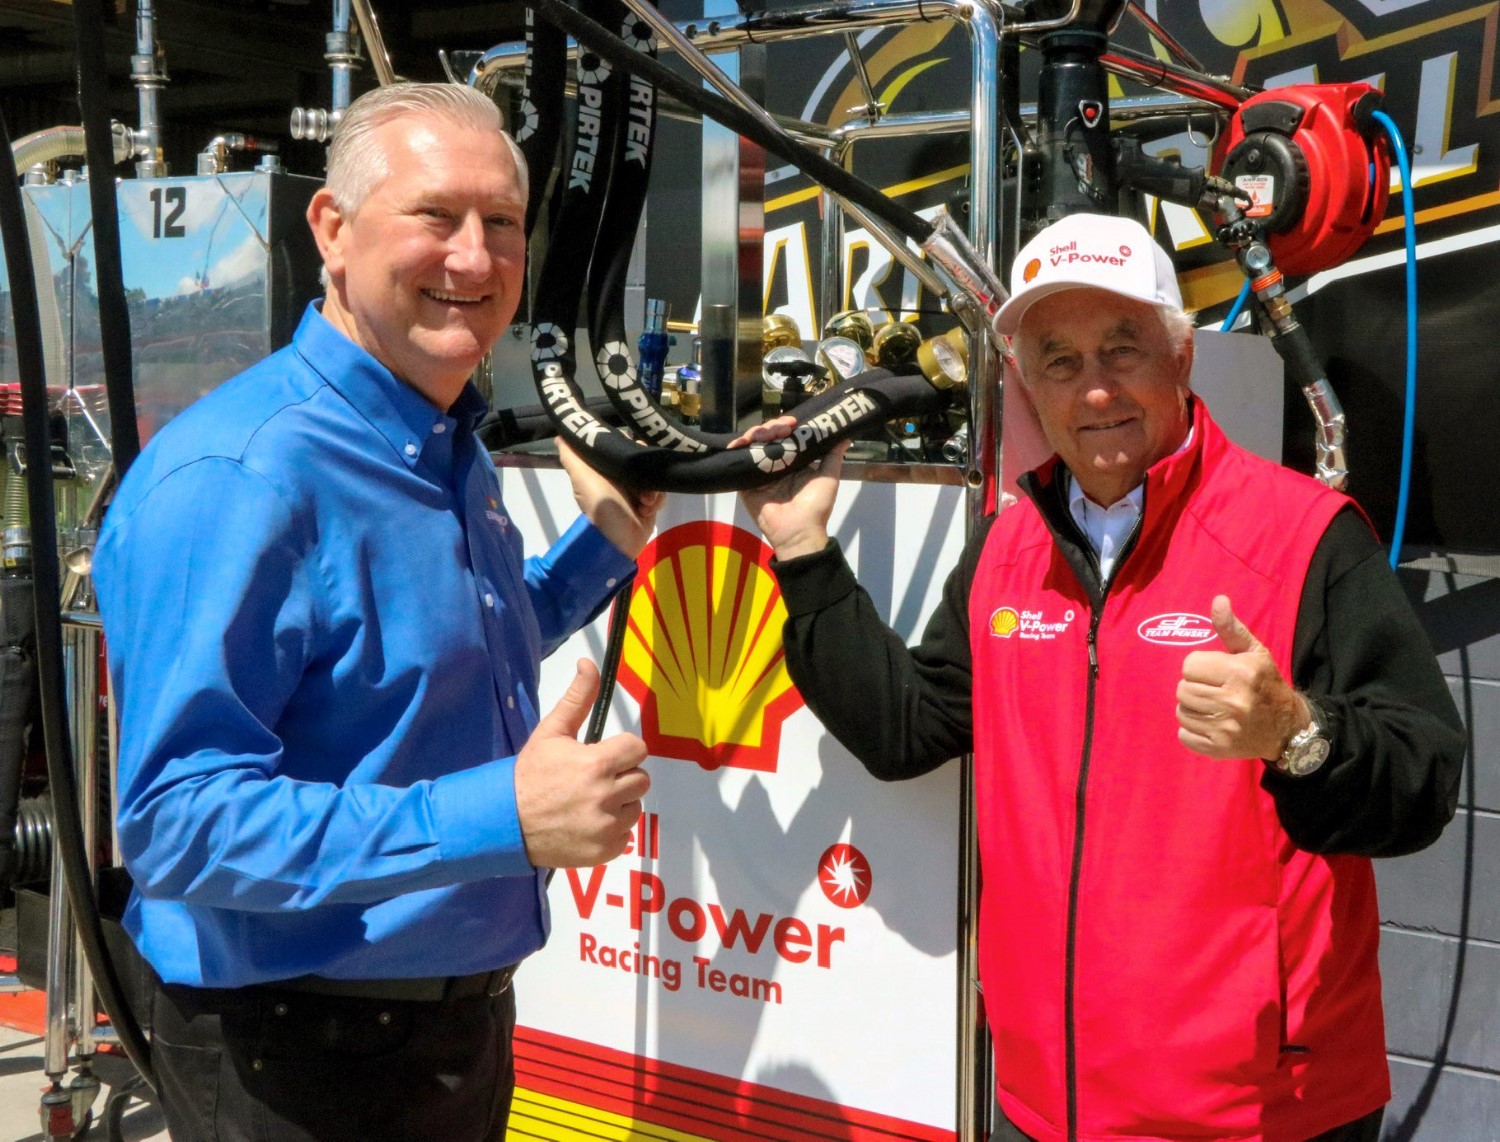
[[489, 600], [411, 449], [510, 701], [439, 428], [610, 582]]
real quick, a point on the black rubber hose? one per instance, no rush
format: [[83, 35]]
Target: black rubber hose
[[109, 274], [632, 100], [543, 94], [614, 645], [595, 38], [48, 604], [17, 693], [821, 422]]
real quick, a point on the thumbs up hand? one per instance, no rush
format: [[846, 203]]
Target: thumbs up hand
[[576, 802], [1235, 703]]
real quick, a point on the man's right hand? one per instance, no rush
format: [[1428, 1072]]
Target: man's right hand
[[577, 803], [793, 512]]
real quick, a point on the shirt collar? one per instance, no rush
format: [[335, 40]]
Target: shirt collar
[[397, 411]]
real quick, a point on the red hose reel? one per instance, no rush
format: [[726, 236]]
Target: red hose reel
[[1317, 167]]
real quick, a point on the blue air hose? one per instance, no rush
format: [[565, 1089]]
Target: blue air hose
[[1408, 429], [1234, 310]]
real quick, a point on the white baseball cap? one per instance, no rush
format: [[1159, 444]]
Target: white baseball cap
[[1098, 250]]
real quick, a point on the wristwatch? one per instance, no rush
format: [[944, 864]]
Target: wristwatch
[[1307, 749]]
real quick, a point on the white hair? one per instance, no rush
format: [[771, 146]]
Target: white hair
[[357, 162], [1177, 323]]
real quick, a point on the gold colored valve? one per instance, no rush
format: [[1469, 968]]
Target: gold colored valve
[[854, 324], [777, 330], [896, 345]]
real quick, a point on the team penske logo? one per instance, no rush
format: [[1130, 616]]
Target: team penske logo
[[1180, 628], [1030, 626]]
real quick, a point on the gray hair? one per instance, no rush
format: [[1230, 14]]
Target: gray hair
[[357, 162], [1177, 323]]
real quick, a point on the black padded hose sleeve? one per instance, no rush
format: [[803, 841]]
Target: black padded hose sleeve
[[821, 422], [543, 94], [597, 39]]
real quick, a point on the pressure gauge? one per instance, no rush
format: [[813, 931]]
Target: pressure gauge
[[773, 377], [845, 358], [942, 362]]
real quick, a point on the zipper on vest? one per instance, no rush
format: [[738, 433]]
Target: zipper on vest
[[1075, 875]]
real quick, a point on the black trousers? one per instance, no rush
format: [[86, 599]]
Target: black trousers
[[263, 1064], [1366, 1129]]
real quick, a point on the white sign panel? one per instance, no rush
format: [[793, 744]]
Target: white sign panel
[[777, 950]]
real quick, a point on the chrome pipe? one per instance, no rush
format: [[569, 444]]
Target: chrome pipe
[[81, 668], [149, 77], [1163, 37], [1048, 25], [857, 60], [831, 292], [339, 53], [369, 30], [1152, 72], [58, 973], [982, 469], [730, 32], [676, 39], [896, 126]]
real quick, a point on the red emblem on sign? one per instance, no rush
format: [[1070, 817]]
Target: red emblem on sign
[[844, 876]]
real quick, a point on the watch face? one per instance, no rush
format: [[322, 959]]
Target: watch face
[[1307, 757]]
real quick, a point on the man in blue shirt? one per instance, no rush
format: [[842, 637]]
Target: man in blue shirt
[[336, 787]]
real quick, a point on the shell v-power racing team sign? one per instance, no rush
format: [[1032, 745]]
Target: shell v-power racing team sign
[[779, 938]]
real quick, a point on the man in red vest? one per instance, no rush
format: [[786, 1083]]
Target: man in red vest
[[1198, 703]]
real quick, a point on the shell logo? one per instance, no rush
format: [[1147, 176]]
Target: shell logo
[[703, 655], [1003, 622], [1033, 268]]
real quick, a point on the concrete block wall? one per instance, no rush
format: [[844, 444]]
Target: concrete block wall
[[1440, 909]]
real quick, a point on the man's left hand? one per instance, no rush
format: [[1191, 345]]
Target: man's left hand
[[1235, 703], [626, 517]]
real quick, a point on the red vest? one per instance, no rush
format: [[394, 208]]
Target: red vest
[[1155, 952]]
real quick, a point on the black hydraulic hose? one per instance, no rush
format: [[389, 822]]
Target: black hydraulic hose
[[614, 645], [632, 100], [578, 211], [109, 275], [861, 402], [542, 99], [17, 689], [48, 604], [597, 39]]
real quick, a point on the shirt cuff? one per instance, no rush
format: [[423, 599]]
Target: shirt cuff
[[813, 582], [584, 555], [475, 813]]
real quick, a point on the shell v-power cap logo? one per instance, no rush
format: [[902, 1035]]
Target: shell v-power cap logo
[[702, 654]]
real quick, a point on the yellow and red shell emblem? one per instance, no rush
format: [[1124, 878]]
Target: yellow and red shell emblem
[[1003, 622], [703, 655], [1033, 268]]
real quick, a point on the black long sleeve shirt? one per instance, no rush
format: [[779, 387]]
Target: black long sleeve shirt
[[1390, 783]]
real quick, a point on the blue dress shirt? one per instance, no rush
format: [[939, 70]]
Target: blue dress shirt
[[325, 645]]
